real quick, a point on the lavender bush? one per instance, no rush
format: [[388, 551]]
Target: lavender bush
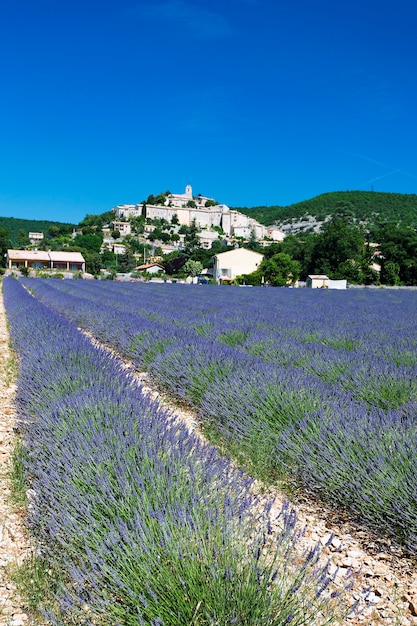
[[144, 523], [316, 386]]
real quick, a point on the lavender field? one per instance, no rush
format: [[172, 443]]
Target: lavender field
[[138, 521], [314, 388]]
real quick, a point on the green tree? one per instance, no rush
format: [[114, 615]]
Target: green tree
[[61, 242], [92, 261], [136, 246], [399, 245], [53, 232], [193, 268], [97, 220], [205, 255], [352, 271], [345, 210], [279, 270], [137, 224], [299, 247], [155, 235], [126, 261], [89, 230], [5, 245], [390, 273], [160, 199], [219, 246], [191, 239], [108, 259], [159, 235], [22, 239], [370, 276], [89, 242], [336, 244]]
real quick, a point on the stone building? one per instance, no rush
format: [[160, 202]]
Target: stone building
[[232, 222]]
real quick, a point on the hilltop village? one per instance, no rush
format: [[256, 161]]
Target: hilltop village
[[154, 238], [212, 218], [177, 237], [176, 222]]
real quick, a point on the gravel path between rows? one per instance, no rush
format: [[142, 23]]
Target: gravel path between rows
[[390, 576], [14, 544]]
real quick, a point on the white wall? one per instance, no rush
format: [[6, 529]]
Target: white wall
[[236, 262]]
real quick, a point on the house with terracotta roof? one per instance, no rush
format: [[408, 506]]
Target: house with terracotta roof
[[41, 259], [67, 261], [151, 268]]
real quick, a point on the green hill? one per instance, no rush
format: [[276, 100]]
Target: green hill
[[13, 225], [367, 207]]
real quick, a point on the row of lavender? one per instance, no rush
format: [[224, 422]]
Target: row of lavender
[[313, 386], [141, 523]]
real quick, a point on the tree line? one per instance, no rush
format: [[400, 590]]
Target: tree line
[[342, 250]]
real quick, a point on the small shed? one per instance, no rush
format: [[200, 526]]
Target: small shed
[[317, 281]]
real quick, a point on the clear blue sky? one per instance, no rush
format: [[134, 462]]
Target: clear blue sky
[[252, 102]]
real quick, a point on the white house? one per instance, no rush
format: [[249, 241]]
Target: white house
[[151, 268], [124, 228], [228, 265], [207, 237], [119, 248], [35, 238], [274, 233], [128, 210]]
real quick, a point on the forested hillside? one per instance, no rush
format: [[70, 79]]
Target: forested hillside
[[14, 225], [371, 207]]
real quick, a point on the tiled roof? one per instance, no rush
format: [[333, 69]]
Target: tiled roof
[[42, 255], [71, 257], [29, 255]]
